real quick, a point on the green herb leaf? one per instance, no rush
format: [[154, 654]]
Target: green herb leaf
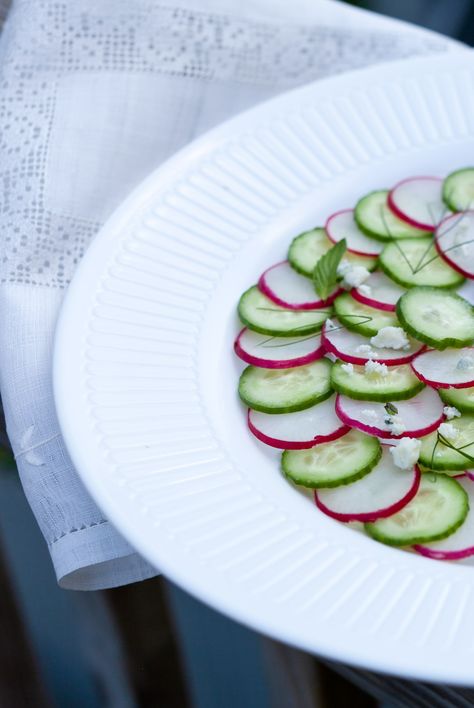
[[391, 409], [325, 270]]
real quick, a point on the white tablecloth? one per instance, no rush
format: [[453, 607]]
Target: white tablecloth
[[94, 95]]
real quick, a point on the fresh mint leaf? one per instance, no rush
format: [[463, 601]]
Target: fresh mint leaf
[[325, 270]]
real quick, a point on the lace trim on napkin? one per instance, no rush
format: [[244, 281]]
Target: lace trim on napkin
[[43, 244]]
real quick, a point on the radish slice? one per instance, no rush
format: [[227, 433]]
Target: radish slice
[[342, 225], [300, 430], [470, 474], [454, 241], [467, 291], [418, 201], [381, 493], [420, 415], [461, 543], [277, 352], [288, 288], [354, 348], [379, 291], [450, 367]]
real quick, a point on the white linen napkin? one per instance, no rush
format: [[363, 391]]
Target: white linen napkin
[[94, 95]]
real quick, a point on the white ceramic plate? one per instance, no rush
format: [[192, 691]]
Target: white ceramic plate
[[145, 378]]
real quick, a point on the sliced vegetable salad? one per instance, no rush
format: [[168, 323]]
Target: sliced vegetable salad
[[360, 353]]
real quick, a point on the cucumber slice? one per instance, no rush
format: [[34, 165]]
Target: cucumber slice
[[448, 473], [375, 219], [361, 318], [307, 248], [458, 189], [262, 315], [437, 456], [334, 463], [435, 512], [417, 263], [437, 317], [398, 384], [285, 390], [460, 398]]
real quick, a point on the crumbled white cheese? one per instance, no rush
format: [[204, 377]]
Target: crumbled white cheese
[[348, 368], [364, 349], [451, 412], [406, 452], [390, 338], [374, 368], [465, 363], [448, 431], [365, 289], [352, 275], [330, 324], [368, 414], [343, 267], [396, 425]]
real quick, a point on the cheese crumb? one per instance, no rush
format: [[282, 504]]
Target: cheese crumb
[[406, 452], [348, 368], [396, 425], [465, 363], [364, 349], [451, 412], [365, 289], [390, 338], [448, 431], [374, 368], [352, 276]]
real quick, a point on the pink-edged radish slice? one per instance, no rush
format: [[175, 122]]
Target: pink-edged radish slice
[[277, 352], [461, 543], [418, 201], [288, 288], [454, 241], [342, 225], [448, 368], [379, 291], [354, 348], [470, 474], [420, 415], [300, 430], [381, 493]]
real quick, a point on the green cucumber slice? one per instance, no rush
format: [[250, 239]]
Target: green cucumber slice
[[437, 456], [438, 508], [286, 390], [307, 248], [375, 219], [398, 384], [460, 398], [362, 318], [333, 464], [448, 473], [417, 263], [458, 189], [437, 317], [261, 314]]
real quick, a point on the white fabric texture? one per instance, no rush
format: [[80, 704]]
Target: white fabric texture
[[94, 95]]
